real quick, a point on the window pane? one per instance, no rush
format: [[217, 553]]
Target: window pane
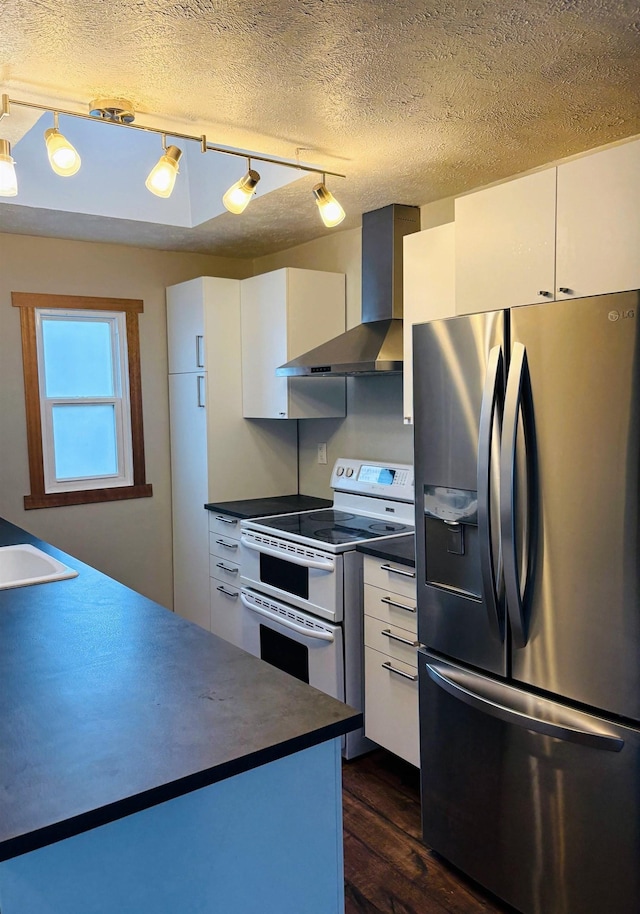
[[84, 440], [77, 358]]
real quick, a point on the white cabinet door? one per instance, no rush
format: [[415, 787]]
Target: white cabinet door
[[226, 611], [505, 244], [428, 291], [598, 246], [188, 436], [185, 326], [284, 314]]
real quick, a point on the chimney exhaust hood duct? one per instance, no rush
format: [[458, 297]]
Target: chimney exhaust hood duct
[[374, 346]]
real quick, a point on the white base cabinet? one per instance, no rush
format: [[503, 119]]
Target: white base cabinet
[[224, 577], [390, 663], [286, 313]]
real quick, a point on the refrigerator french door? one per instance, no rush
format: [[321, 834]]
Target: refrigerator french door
[[527, 471]]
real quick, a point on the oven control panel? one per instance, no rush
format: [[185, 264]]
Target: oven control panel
[[370, 477]]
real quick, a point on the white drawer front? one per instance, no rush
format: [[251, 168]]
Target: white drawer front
[[224, 569], [226, 611], [224, 524], [391, 608], [224, 546], [392, 576], [391, 706], [391, 640]]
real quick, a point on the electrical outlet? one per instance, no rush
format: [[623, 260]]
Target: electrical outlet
[[322, 453]]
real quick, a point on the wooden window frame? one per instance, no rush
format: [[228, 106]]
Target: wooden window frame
[[28, 302]]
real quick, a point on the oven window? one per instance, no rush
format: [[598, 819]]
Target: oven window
[[284, 575], [285, 653]]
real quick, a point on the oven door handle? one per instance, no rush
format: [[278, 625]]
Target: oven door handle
[[287, 623], [322, 564]]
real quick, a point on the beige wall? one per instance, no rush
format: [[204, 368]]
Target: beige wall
[[373, 427], [129, 540]]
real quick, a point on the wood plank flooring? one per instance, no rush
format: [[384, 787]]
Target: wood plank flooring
[[388, 870]]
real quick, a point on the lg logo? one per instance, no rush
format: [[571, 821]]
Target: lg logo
[[621, 315]]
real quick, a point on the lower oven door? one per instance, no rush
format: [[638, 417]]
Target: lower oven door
[[294, 641]]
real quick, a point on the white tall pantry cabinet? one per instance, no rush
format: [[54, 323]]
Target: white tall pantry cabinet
[[216, 455]]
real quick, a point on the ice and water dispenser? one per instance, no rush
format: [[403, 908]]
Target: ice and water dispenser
[[451, 540]]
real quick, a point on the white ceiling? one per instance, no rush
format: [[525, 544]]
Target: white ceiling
[[413, 100]]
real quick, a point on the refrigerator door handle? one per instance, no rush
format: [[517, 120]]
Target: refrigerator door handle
[[490, 414], [517, 581], [565, 726]]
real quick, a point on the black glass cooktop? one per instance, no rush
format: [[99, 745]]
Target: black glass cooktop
[[335, 527]]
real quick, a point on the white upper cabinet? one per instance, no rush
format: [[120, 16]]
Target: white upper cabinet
[[598, 244], [428, 291], [185, 326], [505, 244], [284, 314]]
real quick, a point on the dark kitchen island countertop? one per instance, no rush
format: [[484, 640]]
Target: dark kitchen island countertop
[[263, 507], [400, 549], [111, 704]]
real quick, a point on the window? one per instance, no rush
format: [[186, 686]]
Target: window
[[83, 399]]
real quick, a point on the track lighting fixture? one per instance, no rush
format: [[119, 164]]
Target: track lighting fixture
[[239, 194], [330, 210], [63, 158], [162, 177], [119, 112], [8, 180]]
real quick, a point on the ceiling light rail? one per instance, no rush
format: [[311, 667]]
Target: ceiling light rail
[[118, 112]]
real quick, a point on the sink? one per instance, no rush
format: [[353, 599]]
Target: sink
[[26, 564]]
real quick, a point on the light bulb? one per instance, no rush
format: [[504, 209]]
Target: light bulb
[[239, 194], [8, 180], [330, 210], [162, 176], [63, 158]]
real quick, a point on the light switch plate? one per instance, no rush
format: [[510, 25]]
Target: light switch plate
[[322, 453]]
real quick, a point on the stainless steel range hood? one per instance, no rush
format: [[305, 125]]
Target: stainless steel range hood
[[374, 346]]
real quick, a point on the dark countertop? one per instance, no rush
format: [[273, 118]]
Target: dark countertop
[[110, 704], [263, 507], [400, 549]]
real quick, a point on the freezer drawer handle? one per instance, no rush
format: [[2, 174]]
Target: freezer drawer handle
[[405, 574], [226, 568], [393, 637], [390, 602], [393, 669], [567, 731]]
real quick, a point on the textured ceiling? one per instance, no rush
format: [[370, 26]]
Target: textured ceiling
[[414, 100]]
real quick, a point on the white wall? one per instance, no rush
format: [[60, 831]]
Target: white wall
[[374, 426], [129, 540]]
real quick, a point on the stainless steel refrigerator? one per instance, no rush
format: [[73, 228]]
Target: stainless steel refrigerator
[[527, 473]]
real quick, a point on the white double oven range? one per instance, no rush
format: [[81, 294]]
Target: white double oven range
[[301, 591]]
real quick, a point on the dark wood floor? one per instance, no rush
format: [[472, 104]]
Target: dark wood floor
[[388, 870]]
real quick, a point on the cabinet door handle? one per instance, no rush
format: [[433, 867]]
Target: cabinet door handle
[[226, 520], [391, 569], [390, 602], [394, 637], [565, 291], [393, 669], [201, 394], [199, 350], [228, 545], [227, 593], [546, 294], [226, 568]]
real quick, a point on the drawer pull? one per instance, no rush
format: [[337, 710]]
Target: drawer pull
[[227, 593], [226, 568], [226, 520], [228, 545], [394, 637], [392, 570], [392, 669], [390, 602]]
